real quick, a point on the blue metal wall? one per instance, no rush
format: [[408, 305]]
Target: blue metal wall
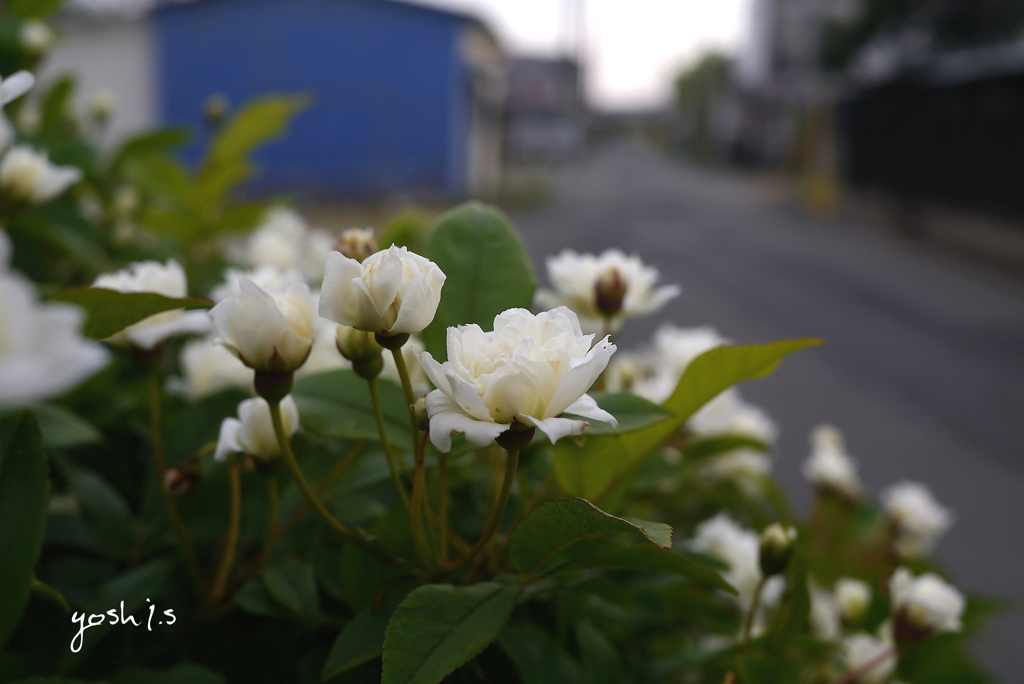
[[390, 94]]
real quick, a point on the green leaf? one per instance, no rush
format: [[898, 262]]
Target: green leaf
[[33, 9], [337, 404], [292, 583], [649, 558], [24, 496], [710, 447], [598, 466], [538, 656], [60, 428], [156, 142], [487, 266], [438, 627], [180, 673], [256, 123], [362, 639], [103, 508], [631, 411], [600, 659], [133, 588], [45, 591], [110, 312], [254, 598], [557, 525]]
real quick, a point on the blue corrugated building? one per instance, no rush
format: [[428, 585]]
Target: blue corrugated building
[[404, 97]]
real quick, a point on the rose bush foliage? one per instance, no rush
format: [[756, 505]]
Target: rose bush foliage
[[553, 510]]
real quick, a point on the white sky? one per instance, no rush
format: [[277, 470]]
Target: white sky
[[633, 48]]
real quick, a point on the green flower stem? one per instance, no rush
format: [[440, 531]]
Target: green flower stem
[[497, 511], [855, 675], [311, 498], [160, 469], [755, 604], [378, 415], [410, 398], [415, 513], [336, 472], [442, 514], [273, 516], [234, 525]]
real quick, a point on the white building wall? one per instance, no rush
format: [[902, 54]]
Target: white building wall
[[115, 55]]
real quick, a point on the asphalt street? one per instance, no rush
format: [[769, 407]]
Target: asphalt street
[[924, 367]]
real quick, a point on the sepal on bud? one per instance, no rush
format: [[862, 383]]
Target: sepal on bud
[[273, 385]]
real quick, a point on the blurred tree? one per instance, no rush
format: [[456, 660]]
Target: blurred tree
[[700, 91]]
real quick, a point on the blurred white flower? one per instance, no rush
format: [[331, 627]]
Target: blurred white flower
[[610, 286], [738, 548], [42, 351], [266, 277], [625, 370], [829, 467], [392, 292], [324, 355], [417, 378], [164, 279], [209, 368], [268, 331], [252, 432], [102, 104], [854, 597], [918, 517], [860, 649], [279, 240], [531, 369], [36, 37], [729, 414], [927, 603], [825, 616], [747, 468], [319, 243], [11, 88], [28, 176], [674, 349]]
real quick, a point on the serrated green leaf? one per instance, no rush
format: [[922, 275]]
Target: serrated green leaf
[[487, 266], [110, 312], [24, 497], [557, 525], [595, 468], [361, 639], [439, 627]]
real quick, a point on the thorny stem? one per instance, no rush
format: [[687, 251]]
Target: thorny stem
[[755, 604], [378, 415], [497, 511], [234, 525], [160, 469], [855, 675], [311, 498]]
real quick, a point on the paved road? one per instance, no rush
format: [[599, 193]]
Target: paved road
[[924, 370]]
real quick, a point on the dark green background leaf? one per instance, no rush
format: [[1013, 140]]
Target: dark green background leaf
[[110, 312]]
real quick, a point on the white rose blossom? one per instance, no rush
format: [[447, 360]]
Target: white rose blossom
[[391, 292], [323, 355], [28, 176], [209, 368], [918, 517], [531, 369], [278, 240], [926, 603], [580, 279], [724, 540], [42, 351], [825, 616], [829, 467], [253, 433], [164, 279], [860, 649], [36, 37], [11, 88], [854, 597], [268, 331], [266, 277], [674, 349]]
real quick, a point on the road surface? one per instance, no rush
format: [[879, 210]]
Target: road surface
[[924, 370]]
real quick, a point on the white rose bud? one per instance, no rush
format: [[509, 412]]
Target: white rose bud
[[268, 331], [829, 467], [165, 279], [854, 597], [252, 432], [392, 292], [37, 37], [776, 548], [356, 243], [529, 371], [610, 287], [28, 176], [924, 605], [919, 519]]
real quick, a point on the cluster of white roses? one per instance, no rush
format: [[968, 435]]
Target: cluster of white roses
[[26, 175]]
